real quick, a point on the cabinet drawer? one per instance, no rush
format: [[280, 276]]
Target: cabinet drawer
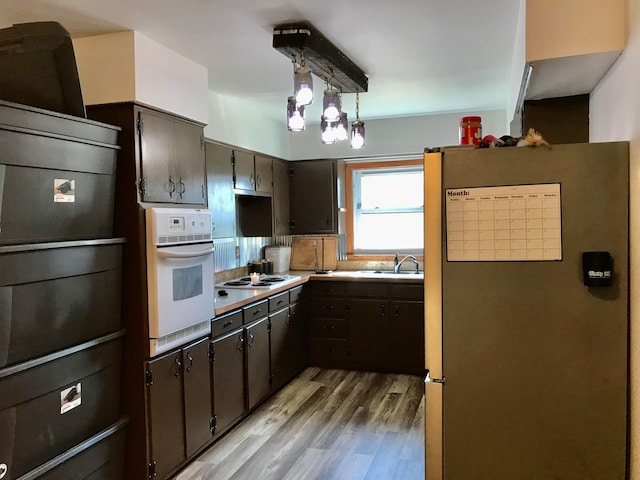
[[226, 323], [368, 289], [328, 328], [328, 289], [328, 307], [408, 291], [278, 301], [255, 311], [298, 293], [328, 350]]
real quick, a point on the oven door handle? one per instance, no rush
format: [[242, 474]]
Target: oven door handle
[[173, 254]]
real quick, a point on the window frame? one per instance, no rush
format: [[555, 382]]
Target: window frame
[[349, 197]]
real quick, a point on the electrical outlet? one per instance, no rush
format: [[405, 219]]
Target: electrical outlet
[[237, 252]]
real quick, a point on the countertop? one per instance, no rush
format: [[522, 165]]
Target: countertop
[[238, 298]]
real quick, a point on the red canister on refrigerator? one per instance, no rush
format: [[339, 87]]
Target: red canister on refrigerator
[[470, 130]]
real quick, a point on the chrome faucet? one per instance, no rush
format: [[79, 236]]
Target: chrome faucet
[[397, 264]]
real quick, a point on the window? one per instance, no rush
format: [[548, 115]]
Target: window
[[386, 210]]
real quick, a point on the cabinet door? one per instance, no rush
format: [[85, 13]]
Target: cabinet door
[[189, 162], [263, 174], [220, 196], [228, 379], [197, 395], [368, 335], [283, 348], [258, 372], [244, 171], [313, 197], [155, 134], [298, 324], [406, 335], [165, 412], [280, 198]]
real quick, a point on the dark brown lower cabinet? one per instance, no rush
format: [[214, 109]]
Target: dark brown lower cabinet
[[406, 335], [197, 395], [376, 326], [288, 344], [165, 414], [227, 373], [368, 331], [178, 396], [258, 371]]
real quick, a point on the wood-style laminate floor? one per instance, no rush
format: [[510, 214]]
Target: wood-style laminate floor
[[325, 425]]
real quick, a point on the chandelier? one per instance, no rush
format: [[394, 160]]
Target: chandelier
[[311, 52]]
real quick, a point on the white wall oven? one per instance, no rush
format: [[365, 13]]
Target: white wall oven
[[180, 281]]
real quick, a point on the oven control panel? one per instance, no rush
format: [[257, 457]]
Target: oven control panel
[[178, 225]]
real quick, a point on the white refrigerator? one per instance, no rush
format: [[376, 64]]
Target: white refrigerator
[[526, 311]]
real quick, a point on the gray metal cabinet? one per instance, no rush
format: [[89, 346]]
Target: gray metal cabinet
[[220, 196]]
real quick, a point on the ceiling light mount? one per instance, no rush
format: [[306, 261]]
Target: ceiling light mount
[[322, 57]]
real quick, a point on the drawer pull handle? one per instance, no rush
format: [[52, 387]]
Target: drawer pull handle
[[227, 323]]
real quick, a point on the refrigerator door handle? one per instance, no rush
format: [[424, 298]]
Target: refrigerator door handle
[[428, 379]]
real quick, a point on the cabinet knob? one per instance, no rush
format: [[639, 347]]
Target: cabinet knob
[[190, 358]]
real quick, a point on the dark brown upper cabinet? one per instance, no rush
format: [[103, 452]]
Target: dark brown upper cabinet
[[252, 174], [220, 196], [281, 209], [161, 154], [313, 196]]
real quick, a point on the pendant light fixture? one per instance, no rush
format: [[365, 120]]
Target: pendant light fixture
[[342, 127], [357, 127], [295, 116], [331, 104], [302, 84], [305, 45], [327, 131]]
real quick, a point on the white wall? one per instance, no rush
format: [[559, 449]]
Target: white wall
[[169, 81], [127, 66], [242, 123], [615, 115], [394, 136], [517, 63]]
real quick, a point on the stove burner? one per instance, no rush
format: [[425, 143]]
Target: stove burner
[[268, 280], [238, 282]]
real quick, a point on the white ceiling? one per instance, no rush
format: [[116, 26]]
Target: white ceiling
[[421, 56]]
